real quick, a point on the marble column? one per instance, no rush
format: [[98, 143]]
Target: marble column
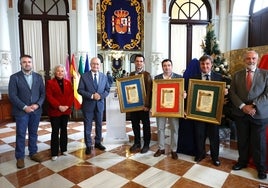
[[82, 28], [156, 53], [5, 51], [223, 28]]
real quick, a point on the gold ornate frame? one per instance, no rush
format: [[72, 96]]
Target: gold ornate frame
[[205, 100], [167, 99], [131, 93]]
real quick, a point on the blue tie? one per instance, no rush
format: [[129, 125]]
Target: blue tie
[[95, 81]]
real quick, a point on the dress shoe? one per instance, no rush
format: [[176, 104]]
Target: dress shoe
[[199, 158], [239, 166], [36, 157], [88, 151], [100, 146], [174, 155], [20, 163], [65, 153], [134, 148], [145, 149], [54, 158], [262, 175], [216, 162], [159, 152]]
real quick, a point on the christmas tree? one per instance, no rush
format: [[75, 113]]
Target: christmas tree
[[210, 47]]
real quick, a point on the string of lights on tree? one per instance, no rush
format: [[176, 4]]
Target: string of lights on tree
[[210, 46]]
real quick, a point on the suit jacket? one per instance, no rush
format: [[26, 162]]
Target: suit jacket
[[86, 89], [20, 93], [148, 87], [174, 75], [56, 97], [213, 76], [257, 95]]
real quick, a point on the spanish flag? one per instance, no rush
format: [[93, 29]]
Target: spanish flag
[[76, 78]]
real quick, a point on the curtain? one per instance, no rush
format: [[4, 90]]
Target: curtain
[[33, 45], [199, 34], [178, 50], [58, 43]]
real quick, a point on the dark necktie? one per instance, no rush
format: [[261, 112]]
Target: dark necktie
[[207, 76], [249, 79], [95, 81]]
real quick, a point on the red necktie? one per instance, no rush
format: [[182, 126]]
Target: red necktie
[[249, 79]]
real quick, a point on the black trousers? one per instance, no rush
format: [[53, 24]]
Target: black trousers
[[144, 117], [202, 131], [59, 126], [251, 141]]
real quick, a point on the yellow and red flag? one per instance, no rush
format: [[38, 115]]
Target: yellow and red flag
[[76, 78], [67, 67]]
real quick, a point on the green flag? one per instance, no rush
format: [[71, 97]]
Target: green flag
[[81, 69]]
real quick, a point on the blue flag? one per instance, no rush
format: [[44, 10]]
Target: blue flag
[[87, 65]]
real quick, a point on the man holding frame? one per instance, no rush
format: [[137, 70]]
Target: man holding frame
[[142, 115], [173, 121], [204, 129]]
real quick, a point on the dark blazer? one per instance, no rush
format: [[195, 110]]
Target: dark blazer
[[20, 93], [56, 97], [148, 87], [174, 75], [258, 93], [213, 76], [86, 90]]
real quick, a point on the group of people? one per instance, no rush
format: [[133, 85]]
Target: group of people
[[27, 93], [248, 94]]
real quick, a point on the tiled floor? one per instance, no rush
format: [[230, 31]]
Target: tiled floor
[[116, 167]]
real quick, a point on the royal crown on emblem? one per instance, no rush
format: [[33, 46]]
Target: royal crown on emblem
[[121, 13]]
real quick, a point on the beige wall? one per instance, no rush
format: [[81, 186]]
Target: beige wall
[[235, 57]]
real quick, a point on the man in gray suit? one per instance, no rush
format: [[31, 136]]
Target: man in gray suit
[[94, 88], [26, 93], [161, 121], [249, 94]]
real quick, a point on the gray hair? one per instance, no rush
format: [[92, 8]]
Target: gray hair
[[55, 69]]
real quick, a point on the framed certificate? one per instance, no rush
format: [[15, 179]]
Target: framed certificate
[[131, 93], [205, 100], [167, 98]]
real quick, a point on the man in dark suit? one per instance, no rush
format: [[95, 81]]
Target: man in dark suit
[[161, 121], [94, 88], [142, 115], [26, 92], [249, 94], [204, 129]]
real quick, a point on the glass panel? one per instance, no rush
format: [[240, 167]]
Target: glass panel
[[204, 13], [38, 7], [195, 12], [178, 50], [174, 12], [259, 5], [56, 9], [184, 9]]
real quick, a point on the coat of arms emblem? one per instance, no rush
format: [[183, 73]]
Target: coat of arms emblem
[[121, 22]]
